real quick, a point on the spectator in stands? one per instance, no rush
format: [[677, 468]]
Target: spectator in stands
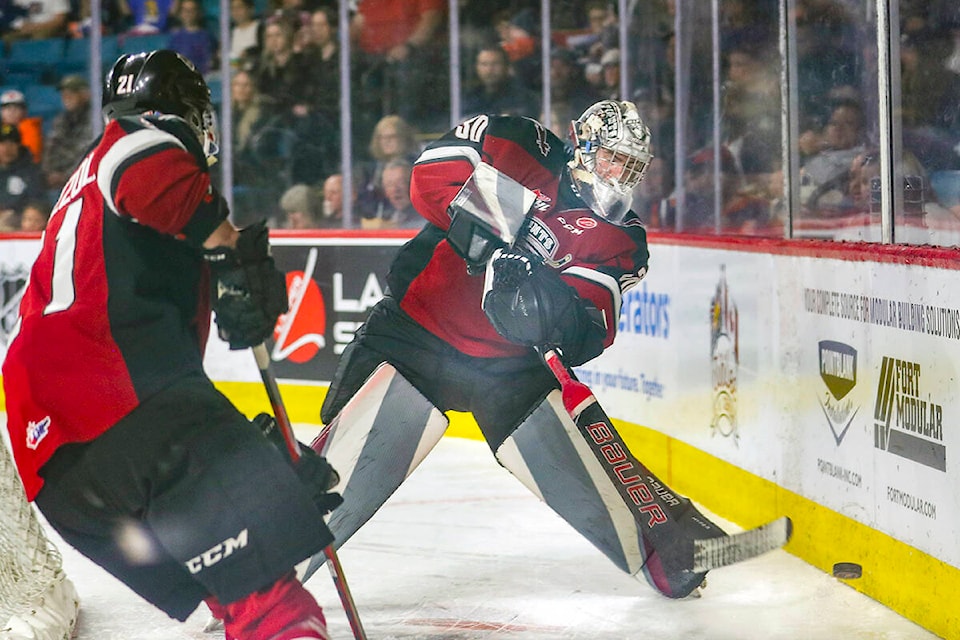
[[570, 94], [34, 216], [255, 164], [111, 19], [929, 99], [610, 65], [148, 16], [401, 55], [393, 139], [20, 178], [324, 56], [929, 92], [246, 34], [250, 115], [741, 211], [863, 194], [286, 79], [37, 19], [496, 89], [824, 176], [13, 110], [192, 39], [825, 56], [651, 194], [658, 114], [751, 98], [300, 205], [70, 132], [600, 34], [395, 211], [332, 217], [519, 37], [748, 21], [283, 76]]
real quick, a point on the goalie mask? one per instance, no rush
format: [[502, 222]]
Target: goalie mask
[[611, 155], [165, 82]]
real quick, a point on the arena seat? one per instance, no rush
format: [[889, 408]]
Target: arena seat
[[142, 42], [946, 184], [76, 56], [33, 61]]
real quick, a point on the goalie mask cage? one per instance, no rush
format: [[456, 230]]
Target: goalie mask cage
[[36, 599]]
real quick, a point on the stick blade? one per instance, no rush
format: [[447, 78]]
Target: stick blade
[[713, 553]]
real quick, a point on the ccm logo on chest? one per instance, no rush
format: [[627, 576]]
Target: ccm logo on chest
[[217, 552]]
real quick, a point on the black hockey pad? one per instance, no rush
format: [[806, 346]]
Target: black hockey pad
[[250, 292], [313, 470], [528, 303], [471, 241]]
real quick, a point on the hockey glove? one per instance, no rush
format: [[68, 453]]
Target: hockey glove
[[250, 292], [528, 303], [313, 470]]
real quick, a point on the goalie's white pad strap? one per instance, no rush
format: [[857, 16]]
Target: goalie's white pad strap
[[376, 441], [550, 456]]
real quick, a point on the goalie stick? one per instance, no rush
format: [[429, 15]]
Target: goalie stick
[[293, 447], [681, 543]]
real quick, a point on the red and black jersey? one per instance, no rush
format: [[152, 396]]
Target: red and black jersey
[[117, 304], [600, 260]]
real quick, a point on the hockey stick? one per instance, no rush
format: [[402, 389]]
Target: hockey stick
[[686, 543], [293, 447]]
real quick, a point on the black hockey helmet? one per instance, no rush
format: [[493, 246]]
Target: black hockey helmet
[[161, 81]]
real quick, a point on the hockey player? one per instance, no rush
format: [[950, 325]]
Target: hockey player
[[128, 449], [468, 304]]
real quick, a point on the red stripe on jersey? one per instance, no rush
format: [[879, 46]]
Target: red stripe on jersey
[[168, 204]]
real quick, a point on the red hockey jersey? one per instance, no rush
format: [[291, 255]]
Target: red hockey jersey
[[117, 304], [600, 260]]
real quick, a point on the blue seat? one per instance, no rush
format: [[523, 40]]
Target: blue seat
[[43, 100], [144, 42], [946, 185], [34, 58], [18, 80], [76, 56], [216, 89]]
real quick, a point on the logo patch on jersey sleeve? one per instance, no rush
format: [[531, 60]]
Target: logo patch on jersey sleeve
[[37, 431]]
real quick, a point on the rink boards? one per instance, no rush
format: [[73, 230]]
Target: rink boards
[[764, 378]]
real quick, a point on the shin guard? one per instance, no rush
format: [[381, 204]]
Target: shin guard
[[548, 454], [374, 443]]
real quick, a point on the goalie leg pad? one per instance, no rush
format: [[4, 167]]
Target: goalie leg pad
[[549, 456], [374, 443]]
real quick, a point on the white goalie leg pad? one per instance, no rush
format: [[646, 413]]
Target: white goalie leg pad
[[549, 455], [376, 441], [52, 616]]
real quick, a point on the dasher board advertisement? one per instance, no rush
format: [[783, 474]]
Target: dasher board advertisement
[[834, 378]]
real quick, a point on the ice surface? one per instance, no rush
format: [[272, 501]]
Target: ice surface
[[463, 551]]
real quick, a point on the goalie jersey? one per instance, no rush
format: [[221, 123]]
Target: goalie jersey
[[117, 303], [599, 259]]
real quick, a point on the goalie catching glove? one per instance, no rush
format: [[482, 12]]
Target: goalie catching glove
[[529, 304], [250, 292], [313, 470]]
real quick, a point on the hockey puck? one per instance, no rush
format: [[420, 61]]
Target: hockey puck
[[847, 570]]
